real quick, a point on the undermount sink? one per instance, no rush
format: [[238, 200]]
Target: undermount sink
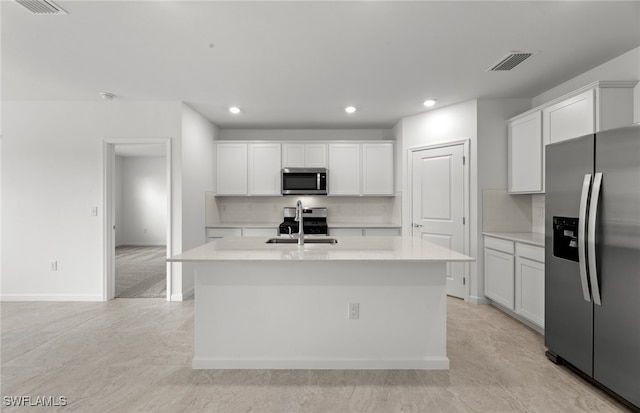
[[306, 241]]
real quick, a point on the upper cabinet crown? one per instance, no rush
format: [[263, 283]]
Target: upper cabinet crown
[[304, 155], [593, 108]]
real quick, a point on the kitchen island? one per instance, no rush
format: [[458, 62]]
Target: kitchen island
[[287, 306]]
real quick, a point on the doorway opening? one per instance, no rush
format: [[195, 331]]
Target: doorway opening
[[137, 218]]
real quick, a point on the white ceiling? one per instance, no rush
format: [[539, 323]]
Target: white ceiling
[[297, 64]]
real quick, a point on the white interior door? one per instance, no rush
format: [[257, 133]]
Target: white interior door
[[438, 205]]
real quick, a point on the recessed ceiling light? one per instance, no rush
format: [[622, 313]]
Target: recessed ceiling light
[[429, 102], [234, 109], [350, 109]]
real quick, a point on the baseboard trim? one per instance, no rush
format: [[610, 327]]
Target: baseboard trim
[[184, 296], [50, 297], [518, 317], [478, 300], [432, 363]]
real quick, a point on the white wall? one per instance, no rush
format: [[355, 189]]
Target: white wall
[[483, 123], [52, 175], [141, 201], [448, 124], [305, 134], [198, 176], [623, 67]]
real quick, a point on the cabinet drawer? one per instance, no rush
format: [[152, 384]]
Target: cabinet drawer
[[260, 232], [345, 232], [530, 251], [384, 232], [223, 232], [499, 244]]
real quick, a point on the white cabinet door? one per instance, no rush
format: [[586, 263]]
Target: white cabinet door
[[293, 155], [301, 155], [530, 290], [377, 169], [231, 169], [499, 277], [315, 155], [526, 155], [344, 169], [264, 169], [570, 118]]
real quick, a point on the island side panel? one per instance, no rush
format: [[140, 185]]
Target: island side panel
[[294, 315]]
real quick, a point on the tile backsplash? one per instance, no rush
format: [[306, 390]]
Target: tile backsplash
[[537, 212], [502, 212], [341, 210]]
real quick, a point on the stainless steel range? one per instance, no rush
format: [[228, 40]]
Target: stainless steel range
[[314, 221]]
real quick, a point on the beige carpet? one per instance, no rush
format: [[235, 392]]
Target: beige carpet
[[141, 272]]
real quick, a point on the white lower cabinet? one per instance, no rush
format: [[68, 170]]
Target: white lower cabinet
[[345, 232], [530, 290], [366, 232], [215, 233], [514, 278], [499, 277]]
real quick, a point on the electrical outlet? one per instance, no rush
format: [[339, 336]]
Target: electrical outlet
[[53, 266], [354, 311]]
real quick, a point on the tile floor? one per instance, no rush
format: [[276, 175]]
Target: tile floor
[[134, 355], [140, 272]]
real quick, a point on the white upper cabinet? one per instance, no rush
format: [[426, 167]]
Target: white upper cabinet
[[355, 168], [344, 169], [596, 107], [570, 118], [315, 155], [264, 169], [377, 169], [293, 155], [526, 152], [301, 155], [248, 169], [231, 169], [593, 108], [361, 168]]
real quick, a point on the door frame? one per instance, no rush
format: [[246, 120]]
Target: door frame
[[466, 230], [109, 158]]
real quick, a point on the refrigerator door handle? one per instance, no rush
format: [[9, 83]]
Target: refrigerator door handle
[[582, 239], [591, 235]]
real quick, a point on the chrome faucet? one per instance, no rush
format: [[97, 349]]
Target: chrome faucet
[[299, 220]]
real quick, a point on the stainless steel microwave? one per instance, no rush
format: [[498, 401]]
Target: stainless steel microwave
[[304, 181]]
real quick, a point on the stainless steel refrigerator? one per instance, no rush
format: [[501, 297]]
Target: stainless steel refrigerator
[[592, 258]]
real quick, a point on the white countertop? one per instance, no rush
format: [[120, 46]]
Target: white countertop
[[347, 249], [533, 238]]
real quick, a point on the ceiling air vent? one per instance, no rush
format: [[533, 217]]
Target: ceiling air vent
[[41, 6], [510, 61]]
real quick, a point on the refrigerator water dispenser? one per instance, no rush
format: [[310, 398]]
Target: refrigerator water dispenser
[[565, 238]]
